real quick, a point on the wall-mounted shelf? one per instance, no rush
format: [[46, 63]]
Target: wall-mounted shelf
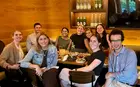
[[88, 16]]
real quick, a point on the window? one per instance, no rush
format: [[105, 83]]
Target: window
[[128, 5]]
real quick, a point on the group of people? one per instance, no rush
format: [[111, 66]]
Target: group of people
[[39, 64]]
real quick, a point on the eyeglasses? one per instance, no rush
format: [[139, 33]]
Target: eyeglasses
[[116, 40]]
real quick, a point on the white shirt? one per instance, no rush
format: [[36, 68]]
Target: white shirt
[[31, 40]]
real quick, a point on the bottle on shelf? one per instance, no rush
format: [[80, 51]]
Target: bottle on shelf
[[73, 46], [92, 22], [96, 4], [81, 5], [99, 16], [84, 21], [100, 4], [89, 5], [78, 20], [77, 4], [81, 20], [95, 20], [84, 4]]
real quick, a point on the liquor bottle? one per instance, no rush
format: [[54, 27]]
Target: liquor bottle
[[92, 23], [84, 4], [72, 47], [78, 21], [81, 21], [95, 19], [77, 4], [89, 5], [84, 21], [100, 15], [81, 4], [100, 4], [96, 4]]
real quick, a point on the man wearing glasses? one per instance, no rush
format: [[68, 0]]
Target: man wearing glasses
[[122, 63]]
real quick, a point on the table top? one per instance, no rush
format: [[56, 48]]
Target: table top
[[72, 58], [71, 63]]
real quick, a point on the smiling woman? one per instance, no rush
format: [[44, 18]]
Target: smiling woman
[[40, 62], [94, 63], [10, 57], [63, 41]]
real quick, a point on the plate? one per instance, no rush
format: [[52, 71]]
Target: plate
[[80, 60]]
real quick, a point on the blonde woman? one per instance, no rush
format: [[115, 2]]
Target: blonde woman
[[80, 41], [40, 62]]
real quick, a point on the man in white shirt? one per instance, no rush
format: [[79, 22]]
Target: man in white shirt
[[31, 39]]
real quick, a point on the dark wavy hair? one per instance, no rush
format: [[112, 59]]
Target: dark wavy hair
[[104, 32], [65, 28], [116, 32]]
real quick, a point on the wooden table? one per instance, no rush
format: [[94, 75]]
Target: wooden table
[[71, 63]]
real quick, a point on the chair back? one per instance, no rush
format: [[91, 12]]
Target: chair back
[[2, 45], [82, 77]]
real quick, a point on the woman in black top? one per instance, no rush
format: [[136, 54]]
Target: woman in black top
[[79, 41], [95, 63], [100, 31]]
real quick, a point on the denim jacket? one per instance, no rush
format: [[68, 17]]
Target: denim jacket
[[37, 58]]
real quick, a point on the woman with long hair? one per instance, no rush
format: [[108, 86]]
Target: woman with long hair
[[94, 63], [40, 62], [101, 31]]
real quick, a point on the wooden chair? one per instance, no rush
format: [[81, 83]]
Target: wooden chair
[[81, 77]]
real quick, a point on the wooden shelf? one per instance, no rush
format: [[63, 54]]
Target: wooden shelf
[[74, 27], [84, 11]]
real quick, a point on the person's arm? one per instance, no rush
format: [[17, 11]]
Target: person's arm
[[27, 59], [38, 70], [4, 56], [110, 73], [92, 66], [87, 46], [28, 43], [70, 44], [53, 55]]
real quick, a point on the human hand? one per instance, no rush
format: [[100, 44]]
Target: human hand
[[109, 75], [38, 71], [15, 66], [44, 69]]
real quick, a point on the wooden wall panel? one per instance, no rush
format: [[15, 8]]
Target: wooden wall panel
[[22, 14], [52, 14]]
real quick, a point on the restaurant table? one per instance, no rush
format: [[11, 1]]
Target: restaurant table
[[71, 63]]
